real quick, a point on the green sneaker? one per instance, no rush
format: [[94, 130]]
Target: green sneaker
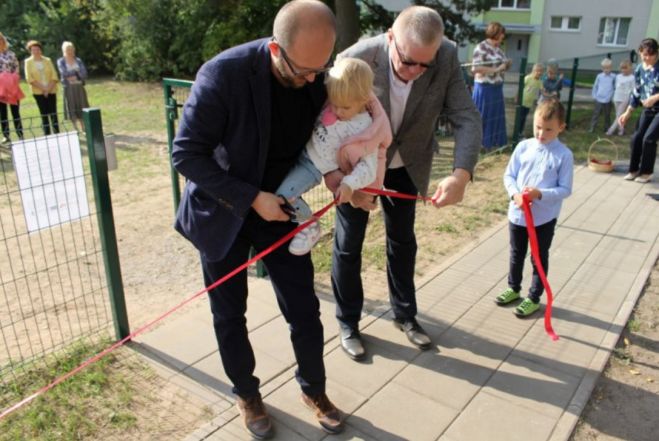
[[526, 308], [507, 296]]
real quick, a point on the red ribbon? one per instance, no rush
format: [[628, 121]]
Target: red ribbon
[[134, 334], [535, 252]]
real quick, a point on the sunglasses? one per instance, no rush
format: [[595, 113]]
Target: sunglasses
[[410, 63], [305, 72]]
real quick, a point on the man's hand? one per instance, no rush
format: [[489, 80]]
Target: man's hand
[[268, 206], [451, 189], [344, 193], [365, 201]]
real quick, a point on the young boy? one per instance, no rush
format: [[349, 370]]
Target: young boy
[[552, 84], [532, 87], [603, 94], [542, 168]]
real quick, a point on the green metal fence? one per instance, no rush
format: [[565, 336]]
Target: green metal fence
[[60, 278]]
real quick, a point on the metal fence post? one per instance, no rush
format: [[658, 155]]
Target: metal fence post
[[99, 173], [518, 108], [575, 67], [171, 115]]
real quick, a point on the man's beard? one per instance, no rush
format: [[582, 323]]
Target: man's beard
[[288, 80]]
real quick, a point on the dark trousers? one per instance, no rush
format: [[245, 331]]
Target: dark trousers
[[48, 109], [644, 142], [600, 108], [351, 223], [523, 114], [519, 242], [15, 115], [292, 279]]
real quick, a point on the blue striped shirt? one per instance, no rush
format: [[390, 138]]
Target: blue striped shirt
[[548, 167]]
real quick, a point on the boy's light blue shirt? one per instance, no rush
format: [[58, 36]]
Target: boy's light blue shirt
[[547, 167], [604, 87]]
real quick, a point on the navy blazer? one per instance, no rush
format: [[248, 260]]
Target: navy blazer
[[222, 144]]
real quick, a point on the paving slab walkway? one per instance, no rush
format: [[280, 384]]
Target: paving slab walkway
[[488, 370]]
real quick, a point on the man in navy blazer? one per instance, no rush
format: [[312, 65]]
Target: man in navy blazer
[[250, 112]]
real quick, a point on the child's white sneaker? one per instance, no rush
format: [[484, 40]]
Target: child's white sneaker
[[304, 241]]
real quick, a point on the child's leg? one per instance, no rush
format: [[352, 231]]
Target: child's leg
[[545, 233], [519, 240], [596, 115], [607, 114], [523, 113], [614, 125], [301, 178]]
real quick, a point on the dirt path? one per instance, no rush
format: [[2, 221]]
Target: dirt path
[[625, 401]]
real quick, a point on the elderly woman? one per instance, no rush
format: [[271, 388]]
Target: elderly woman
[[489, 63], [73, 74], [41, 75], [10, 91]]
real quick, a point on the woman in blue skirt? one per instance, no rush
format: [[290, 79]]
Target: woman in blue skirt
[[489, 63]]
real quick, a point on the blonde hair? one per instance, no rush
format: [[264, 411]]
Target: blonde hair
[[625, 63], [349, 81], [3, 43], [607, 62], [539, 66], [550, 109], [66, 45]]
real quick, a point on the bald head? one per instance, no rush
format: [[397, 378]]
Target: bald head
[[420, 24], [302, 16]]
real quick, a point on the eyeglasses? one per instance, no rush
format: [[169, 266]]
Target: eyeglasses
[[410, 63], [305, 72]]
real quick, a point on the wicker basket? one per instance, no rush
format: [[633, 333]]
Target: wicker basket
[[601, 165]]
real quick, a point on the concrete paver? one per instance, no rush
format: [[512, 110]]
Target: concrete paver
[[488, 370]]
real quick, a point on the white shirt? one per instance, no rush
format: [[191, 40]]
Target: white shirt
[[325, 143], [399, 92], [624, 87]]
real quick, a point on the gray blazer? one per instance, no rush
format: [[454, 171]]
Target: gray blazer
[[440, 90]]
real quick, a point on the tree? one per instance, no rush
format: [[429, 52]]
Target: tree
[[347, 22], [455, 14]]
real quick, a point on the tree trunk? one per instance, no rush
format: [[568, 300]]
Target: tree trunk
[[347, 22]]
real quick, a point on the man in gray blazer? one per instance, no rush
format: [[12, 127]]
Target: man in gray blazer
[[418, 77]]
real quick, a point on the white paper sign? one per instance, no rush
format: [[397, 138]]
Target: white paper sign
[[51, 180]]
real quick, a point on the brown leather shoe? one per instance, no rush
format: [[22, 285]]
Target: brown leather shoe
[[329, 417], [255, 418]]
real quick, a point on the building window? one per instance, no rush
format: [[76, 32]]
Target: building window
[[559, 23], [613, 31], [513, 4]]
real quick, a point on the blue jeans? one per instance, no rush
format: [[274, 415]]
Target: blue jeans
[[301, 178], [399, 215]]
